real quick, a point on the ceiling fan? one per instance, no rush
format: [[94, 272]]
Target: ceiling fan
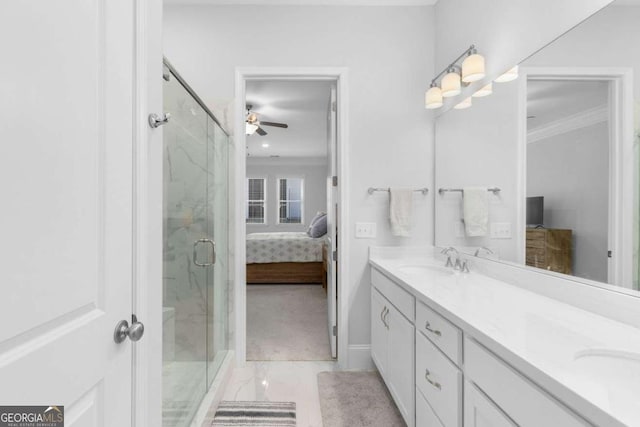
[[254, 125]]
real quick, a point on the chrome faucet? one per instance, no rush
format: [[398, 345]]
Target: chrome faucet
[[447, 252], [483, 248]]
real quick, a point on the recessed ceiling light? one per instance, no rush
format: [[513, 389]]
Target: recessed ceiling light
[[265, 145]]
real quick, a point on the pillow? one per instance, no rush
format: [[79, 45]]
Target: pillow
[[314, 220], [319, 227]]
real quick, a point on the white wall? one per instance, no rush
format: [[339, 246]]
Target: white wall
[[314, 174], [389, 52], [571, 171], [478, 147], [504, 31]]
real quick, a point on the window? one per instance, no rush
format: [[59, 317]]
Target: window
[[256, 200], [290, 200]]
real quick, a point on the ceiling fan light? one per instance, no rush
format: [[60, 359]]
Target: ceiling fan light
[[510, 75], [433, 98], [251, 128], [463, 104], [451, 85], [484, 91], [473, 68]]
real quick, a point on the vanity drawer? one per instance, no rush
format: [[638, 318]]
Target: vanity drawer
[[440, 381], [401, 299], [521, 400], [445, 335]]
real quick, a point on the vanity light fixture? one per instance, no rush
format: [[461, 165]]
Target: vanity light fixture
[[433, 97], [456, 76], [484, 91], [510, 75], [463, 104]]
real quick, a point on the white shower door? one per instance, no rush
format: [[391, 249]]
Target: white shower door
[[66, 176]]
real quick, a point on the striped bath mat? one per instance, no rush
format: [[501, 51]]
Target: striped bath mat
[[252, 414]]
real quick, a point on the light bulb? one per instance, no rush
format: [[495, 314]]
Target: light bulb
[[484, 91], [433, 97], [473, 68], [464, 104], [510, 75]]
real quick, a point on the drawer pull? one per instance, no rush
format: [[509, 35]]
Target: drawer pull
[[430, 381], [427, 326], [383, 315]]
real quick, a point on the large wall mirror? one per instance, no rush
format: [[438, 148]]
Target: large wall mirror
[[544, 171]]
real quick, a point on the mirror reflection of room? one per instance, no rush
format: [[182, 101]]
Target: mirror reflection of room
[[288, 158], [558, 141]]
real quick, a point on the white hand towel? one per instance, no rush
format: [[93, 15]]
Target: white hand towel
[[475, 207], [400, 205]]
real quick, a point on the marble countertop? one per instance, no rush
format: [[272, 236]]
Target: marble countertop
[[589, 362]]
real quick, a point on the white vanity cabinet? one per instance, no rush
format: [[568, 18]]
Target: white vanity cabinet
[[440, 376], [392, 343]]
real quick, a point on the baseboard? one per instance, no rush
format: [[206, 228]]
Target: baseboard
[[360, 358]]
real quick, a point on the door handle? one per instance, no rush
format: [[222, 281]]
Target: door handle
[[123, 330], [385, 311], [427, 326], [156, 120], [195, 252]]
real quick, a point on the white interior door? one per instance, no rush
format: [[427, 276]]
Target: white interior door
[[332, 216], [66, 132]]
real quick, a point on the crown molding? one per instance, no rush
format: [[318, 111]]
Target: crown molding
[[567, 124]]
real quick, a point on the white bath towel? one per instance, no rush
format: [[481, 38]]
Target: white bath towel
[[400, 206], [475, 208]]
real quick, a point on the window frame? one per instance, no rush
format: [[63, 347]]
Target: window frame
[[279, 199], [264, 200]]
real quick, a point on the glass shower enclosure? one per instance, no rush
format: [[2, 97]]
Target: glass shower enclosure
[[195, 252]]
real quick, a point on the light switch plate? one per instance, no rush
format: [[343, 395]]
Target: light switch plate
[[500, 230], [365, 230]]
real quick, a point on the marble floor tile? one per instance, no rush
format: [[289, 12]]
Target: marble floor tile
[[281, 381]]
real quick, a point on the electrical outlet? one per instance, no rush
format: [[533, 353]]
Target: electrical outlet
[[365, 230], [500, 230]]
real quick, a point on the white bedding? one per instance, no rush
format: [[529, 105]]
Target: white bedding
[[283, 247]]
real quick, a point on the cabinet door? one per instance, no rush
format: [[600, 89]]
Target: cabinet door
[[480, 411], [401, 357], [379, 331]]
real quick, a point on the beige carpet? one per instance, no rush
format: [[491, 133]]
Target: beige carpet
[[287, 322], [356, 399]]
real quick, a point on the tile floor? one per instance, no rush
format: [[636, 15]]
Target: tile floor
[[282, 381]]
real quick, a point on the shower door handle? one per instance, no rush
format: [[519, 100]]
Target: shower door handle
[[195, 252]]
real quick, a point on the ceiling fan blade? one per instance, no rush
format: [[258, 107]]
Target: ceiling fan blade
[[261, 131], [278, 125]]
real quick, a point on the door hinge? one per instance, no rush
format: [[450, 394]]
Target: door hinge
[[334, 256], [334, 180], [334, 106], [609, 254], [335, 331]]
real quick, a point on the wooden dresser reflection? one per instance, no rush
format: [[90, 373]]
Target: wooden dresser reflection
[[550, 249]]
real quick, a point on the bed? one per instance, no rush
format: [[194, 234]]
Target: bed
[[286, 257]]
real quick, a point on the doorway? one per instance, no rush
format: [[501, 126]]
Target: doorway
[[288, 207], [586, 123]]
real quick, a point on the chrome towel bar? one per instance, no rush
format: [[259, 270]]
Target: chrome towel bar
[[372, 190], [441, 191]]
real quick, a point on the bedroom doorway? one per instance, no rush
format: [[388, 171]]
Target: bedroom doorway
[[290, 140]]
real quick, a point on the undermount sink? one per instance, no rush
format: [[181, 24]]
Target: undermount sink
[[420, 269], [615, 373]]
